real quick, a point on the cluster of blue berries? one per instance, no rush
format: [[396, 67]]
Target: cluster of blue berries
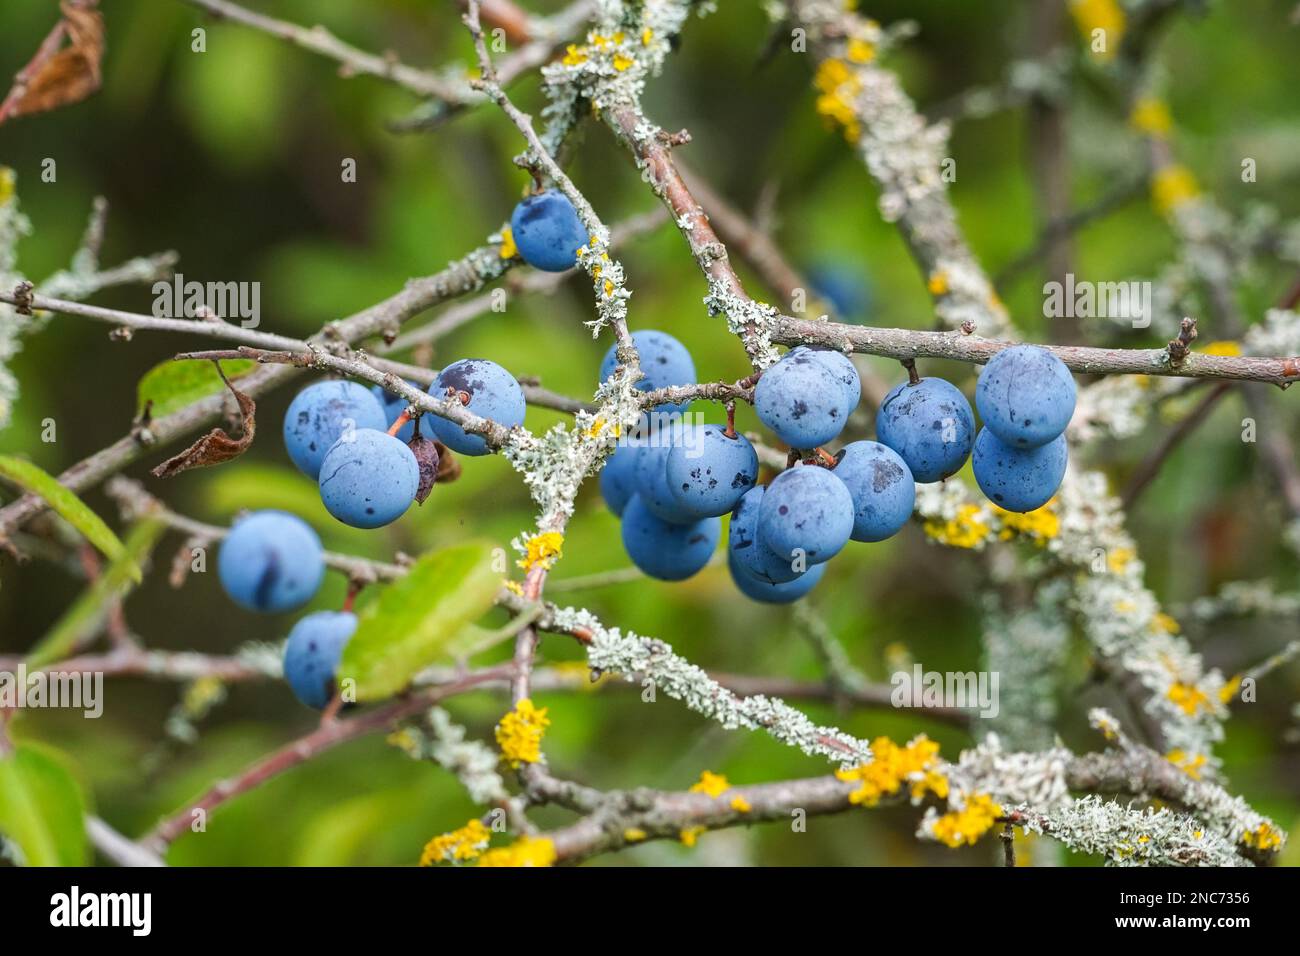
[[782, 535], [672, 480], [339, 434], [272, 561], [1025, 397], [369, 467], [671, 490]]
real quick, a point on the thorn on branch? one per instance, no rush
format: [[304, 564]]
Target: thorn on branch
[[1179, 348]]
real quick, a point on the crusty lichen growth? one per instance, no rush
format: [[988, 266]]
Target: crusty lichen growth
[[81, 279], [643, 658], [462, 845], [747, 319], [1119, 614], [519, 733], [1128, 836], [915, 765], [526, 851], [1027, 649], [904, 154], [446, 743]]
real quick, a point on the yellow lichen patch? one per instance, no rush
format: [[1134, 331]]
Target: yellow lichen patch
[[740, 804], [1171, 187], [860, 51], [514, 587], [458, 846], [966, 529], [508, 249], [542, 550], [1104, 15], [1151, 116], [574, 55], [938, 283], [714, 784], [838, 86], [1229, 689], [690, 835], [932, 781], [7, 185], [634, 835], [1109, 729], [969, 823], [1041, 525], [1263, 837], [202, 694], [891, 766], [1163, 623], [403, 740], [1188, 697], [646, 36], [1119, 559], [597, 428], [1189, 764], [519, 735], [526, 851], [1221, 347], [622, 62]]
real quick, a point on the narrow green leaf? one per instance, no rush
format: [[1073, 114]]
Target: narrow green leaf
[[71, 508], [172, 385], [413, 621], [86, 615], [42, 808]]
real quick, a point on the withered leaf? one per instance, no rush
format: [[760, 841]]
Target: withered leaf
[[61, 75], [216, 447], [427, 457]]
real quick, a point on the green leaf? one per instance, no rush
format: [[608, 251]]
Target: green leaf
[[42, 808], [86, 615], [172, 385], [71, 508], [414, 620]]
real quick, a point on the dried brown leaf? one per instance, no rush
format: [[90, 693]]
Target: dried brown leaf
[[61, 75], [216, 447]]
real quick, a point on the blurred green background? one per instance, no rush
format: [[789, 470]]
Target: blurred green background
[[232, 158]]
